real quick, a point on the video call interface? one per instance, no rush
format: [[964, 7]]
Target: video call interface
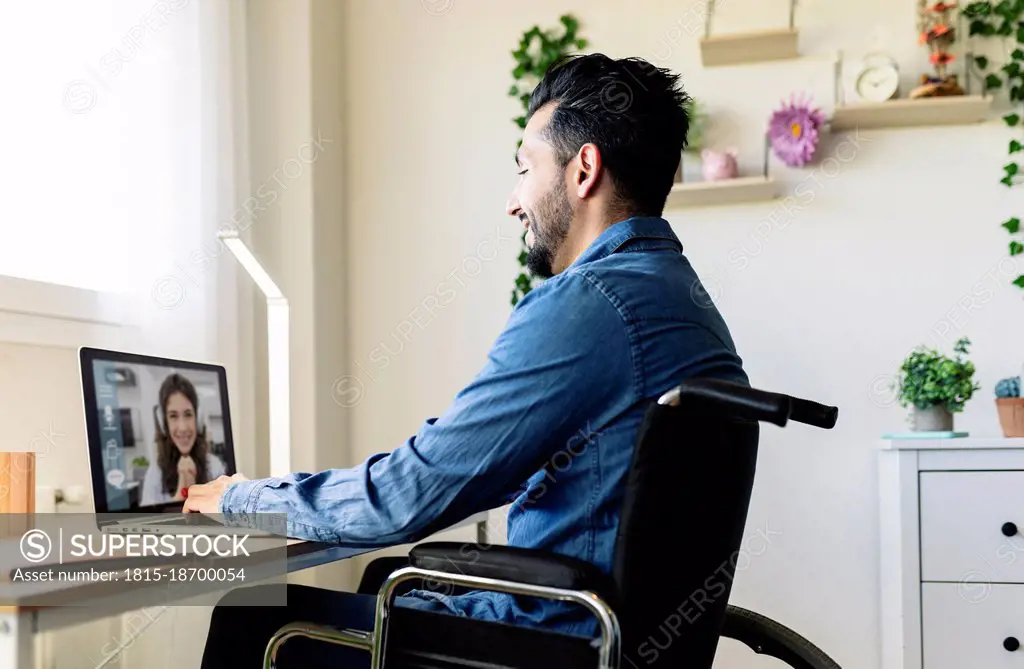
[[161, 428]]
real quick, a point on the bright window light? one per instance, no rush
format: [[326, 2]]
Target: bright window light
[[99, 126]]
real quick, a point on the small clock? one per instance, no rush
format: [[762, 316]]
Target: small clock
[[879, 78]]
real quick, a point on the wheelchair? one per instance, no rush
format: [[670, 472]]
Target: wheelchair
[[689, 484]]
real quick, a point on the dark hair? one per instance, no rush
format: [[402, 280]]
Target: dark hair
[[167, 453], [633, 111]]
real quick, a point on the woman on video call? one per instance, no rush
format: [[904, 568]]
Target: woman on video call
[[183, 455]]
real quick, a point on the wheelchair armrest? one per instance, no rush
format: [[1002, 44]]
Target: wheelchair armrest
[[510, 563]]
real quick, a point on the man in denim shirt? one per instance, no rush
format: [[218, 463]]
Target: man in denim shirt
[[549, 423]]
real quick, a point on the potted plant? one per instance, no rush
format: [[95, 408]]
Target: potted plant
[[936, 386], [699, 121], [139, 467], [1010, 406]]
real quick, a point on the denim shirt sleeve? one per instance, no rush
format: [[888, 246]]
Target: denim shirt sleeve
[[560, 362]]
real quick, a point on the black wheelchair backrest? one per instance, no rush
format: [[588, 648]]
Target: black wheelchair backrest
[[684, 514]]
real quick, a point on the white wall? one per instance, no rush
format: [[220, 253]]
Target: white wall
[[41, 411], [896, 242], [294, 117]]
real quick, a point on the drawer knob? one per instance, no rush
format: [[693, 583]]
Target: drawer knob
[[1011, 644], [1010, 529]]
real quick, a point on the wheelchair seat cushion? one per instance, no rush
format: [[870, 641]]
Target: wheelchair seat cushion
[[424, 640], [510, 563]]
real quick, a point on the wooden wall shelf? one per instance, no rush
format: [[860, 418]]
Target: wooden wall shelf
[[726, 191], [953, 110], [753, 47]]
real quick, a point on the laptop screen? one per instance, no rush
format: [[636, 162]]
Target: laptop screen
[[155, 426]]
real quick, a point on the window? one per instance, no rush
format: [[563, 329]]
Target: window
[[101, 132]]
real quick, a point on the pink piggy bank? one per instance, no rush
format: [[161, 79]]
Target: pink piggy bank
[[718, 165]]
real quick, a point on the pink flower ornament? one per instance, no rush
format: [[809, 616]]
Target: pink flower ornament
[[793, 131]]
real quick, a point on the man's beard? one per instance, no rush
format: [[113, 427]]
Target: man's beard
[[550, 225]]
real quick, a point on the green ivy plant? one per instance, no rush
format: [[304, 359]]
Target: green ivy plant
[[538, 51], [1005, 20], [928, 378]]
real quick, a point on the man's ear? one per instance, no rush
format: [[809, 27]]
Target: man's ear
[[588, 170]]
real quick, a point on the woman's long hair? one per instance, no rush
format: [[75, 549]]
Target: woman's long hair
[[168, 454]]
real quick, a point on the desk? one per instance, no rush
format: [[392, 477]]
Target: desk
[[19, 623]]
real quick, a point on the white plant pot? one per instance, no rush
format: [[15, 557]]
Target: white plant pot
[[933, 419]]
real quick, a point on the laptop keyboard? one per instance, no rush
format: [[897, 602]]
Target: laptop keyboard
[[188, 519]]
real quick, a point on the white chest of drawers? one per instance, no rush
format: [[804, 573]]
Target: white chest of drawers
[[952, 553]]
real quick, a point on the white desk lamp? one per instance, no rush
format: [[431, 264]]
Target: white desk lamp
[[277, 354]]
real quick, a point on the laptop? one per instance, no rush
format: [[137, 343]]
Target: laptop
[[154, 425]]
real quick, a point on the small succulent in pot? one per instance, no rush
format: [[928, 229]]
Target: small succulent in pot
[[1009, 387], [1010, 406], [936, 386]]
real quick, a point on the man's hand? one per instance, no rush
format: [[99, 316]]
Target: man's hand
[[205, 497]]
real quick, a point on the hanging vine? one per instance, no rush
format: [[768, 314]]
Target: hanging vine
[[1005, 20], [538, 51]]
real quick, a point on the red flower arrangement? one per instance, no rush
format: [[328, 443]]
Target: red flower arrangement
[[937, 32]]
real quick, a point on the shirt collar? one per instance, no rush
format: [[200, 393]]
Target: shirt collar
[[636, 233]]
